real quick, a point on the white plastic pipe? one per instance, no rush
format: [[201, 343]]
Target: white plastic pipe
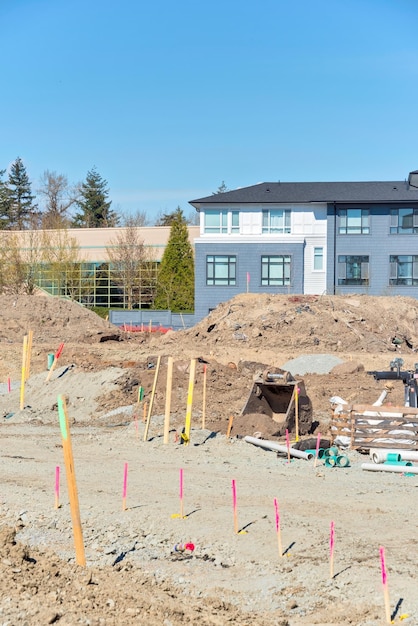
[[380, 456], [272, 445], [400, 469]]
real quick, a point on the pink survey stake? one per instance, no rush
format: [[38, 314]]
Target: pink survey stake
[[234, 495], [318, 441], [125, 481], [57, 486], [383, 565], [276, 506], [332, 538]]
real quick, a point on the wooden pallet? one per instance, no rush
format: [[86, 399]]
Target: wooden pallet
[[377, 429]]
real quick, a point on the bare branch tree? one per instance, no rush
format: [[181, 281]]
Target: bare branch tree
[[131, 264], [20, 261], [59, 196]]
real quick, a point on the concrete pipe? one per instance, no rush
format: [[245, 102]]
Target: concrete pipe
[[380, 467], [272, 445], [380, 456]]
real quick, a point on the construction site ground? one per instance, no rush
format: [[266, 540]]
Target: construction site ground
[[133, 574]]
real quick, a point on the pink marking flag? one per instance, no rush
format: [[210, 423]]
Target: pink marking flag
[[125, 486], [181, 494], [288, 445], [331, 549], [181, 514], [318, 441], [234, 504], [385, 584], [57, 487], [278, 530]]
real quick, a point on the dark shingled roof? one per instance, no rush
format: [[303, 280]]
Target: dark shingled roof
[[367, 192]]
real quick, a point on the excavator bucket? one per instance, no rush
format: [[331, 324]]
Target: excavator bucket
[[274, 393]]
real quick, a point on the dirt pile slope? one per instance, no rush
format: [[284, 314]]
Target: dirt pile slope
[[310, 324], [51, 320]]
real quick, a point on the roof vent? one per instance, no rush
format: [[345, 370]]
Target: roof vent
[[268, 189], [413, 179]]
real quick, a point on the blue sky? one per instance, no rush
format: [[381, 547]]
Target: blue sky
[[168, 99]]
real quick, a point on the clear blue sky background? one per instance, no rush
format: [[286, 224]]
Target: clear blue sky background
[[168, 99]]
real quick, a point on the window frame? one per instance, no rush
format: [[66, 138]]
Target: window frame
[[283, 217], [320, 256], [282, 262], [216, 262], [410, 277], [353, 221], [221, 226], [395, 214], [346, 270]]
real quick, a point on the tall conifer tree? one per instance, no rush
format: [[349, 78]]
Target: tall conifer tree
[[20, 199], [175, 282], [95, 211]]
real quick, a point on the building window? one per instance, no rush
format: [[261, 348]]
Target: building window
[[235, 222], [216, 221], [403, 269], [353, 270], [403, 221], [354, 222], [221, 269], [318, 262], [275, 270], [276, 221]]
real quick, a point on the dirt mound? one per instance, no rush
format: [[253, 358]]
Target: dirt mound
[[310, 324], [51, 320], [43, 589], [133, 576]]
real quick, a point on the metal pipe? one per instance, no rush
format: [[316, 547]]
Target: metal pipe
[[270, 376], [272, 445], [380, 467], [380, 456]]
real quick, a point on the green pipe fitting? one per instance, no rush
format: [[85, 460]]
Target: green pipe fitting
[[333, 451], [404, 463], [331, 461], [313, 452], [343, 461]]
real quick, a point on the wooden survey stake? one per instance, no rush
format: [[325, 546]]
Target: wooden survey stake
[[204, 398], [186, 434], [29, 354], [23, 377], [55, 361], [151, 402], [168, 399], [71, 481]]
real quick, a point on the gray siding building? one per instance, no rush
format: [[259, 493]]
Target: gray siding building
[[308, 238]]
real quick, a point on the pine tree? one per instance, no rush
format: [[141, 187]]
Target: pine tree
[[95, 211], [4, 202], [221, 189], [20, 208], [175, 282]]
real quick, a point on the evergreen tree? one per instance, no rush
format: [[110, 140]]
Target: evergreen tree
[[221, 189], [4, 202], [95, 211], [21, 208], [175, 282]]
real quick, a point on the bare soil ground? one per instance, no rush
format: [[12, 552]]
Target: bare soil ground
[[133, 575]]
